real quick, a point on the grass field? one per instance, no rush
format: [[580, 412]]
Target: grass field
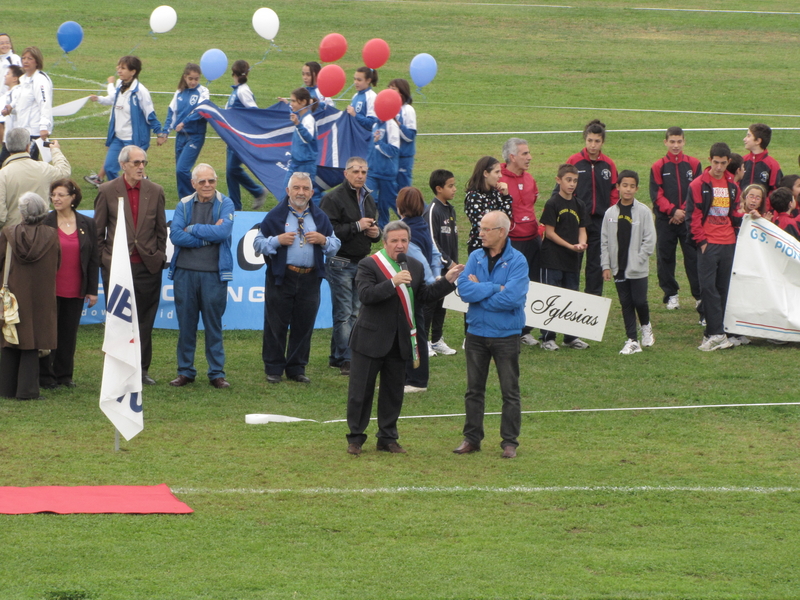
[[683, 503]]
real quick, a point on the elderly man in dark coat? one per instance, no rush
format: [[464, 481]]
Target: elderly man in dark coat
[[35, 255]]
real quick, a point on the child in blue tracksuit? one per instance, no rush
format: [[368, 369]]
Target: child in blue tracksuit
[[133, 115], [407, 121], [189, 126], [362, 106], [382, 161], [304, 139], [241, 97]]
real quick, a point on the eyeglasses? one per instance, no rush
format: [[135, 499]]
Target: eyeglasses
[[488, 229], [206, 181], [138, 163], [60, 195]]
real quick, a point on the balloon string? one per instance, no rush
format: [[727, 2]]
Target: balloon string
[[419, 91], [151, 34], [272, 46], [341, 94], [65, 57]]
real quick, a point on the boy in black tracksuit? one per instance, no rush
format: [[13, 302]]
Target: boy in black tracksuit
[[440, 215], [670, 177], [759, 166]]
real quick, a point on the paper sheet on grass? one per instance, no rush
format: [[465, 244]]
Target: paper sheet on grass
[[256, 419]]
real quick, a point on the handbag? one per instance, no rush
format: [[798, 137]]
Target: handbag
[[10, 305]]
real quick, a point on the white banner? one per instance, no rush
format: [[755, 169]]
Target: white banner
[[70, 108], [121, 390], [557, 309], [764, 295]]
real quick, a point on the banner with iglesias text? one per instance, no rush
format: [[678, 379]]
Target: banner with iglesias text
[[556, 309], [764, 294]]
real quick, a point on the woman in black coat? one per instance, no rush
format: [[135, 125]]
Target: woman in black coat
[[76, 281]]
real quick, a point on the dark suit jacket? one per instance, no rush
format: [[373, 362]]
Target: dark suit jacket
[[90, 255], [149, 236], [381, 316]]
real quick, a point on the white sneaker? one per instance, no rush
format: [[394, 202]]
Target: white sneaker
[[631, 347], [441, 348], [550, 345], [431, 351], [258, 201], [648, 339], [743, 340], [410, 389], [715, 342], [702, 322], [577, 344], [529, 340], [93, 179], [672, 302]]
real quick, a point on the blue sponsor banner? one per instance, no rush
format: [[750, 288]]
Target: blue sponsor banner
[[245, 293]]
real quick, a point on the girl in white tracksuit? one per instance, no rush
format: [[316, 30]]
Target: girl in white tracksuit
[[407, 121]]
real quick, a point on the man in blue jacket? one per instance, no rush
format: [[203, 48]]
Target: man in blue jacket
[[494, 284], [201, 267]]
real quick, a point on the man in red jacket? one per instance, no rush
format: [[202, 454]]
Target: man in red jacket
[[524, 234]]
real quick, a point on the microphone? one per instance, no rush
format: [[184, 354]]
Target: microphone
[[402, 260]]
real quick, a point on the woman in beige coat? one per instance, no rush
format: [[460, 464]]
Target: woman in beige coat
[[35, 258]]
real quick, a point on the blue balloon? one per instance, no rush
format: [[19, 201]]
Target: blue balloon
[[213, 64], [423, 69], [70, 36]]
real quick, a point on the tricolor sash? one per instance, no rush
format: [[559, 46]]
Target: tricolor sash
[[390, 268]]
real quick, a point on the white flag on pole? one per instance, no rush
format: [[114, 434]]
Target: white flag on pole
[[121, 391]]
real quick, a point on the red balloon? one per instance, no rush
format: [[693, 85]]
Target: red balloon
[[375, 53], [387, 104], [332, 47], [330, 80]]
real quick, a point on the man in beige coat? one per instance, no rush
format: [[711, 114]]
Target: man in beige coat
[[20, 174]]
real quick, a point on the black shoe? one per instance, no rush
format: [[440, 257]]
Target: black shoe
[[147, 380], [299, 378], [392, 447], [344, 369], [273, 378], [49, 386], [67, 384]]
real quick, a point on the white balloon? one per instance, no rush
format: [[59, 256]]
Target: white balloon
[[163, 19], [266, 23]]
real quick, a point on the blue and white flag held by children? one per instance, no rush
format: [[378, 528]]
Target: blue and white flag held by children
[[121, 391], [764, 295]]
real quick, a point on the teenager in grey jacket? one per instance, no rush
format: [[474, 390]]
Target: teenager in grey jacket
[[627, 239]]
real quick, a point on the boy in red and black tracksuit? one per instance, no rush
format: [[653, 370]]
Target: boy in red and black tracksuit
[[712, 216], [783, 205], [670, 177], [596, 191], [759, 166]]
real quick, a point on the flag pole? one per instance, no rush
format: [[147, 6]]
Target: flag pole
[[116, 439]]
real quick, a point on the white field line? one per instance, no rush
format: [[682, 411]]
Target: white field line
[[584, 410], [711, 10], [517, 489]]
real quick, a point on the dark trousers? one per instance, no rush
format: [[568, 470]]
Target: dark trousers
[[668, 238], [419, 377], [480, 352], [633, 298], [58, 366], [4, 153], [594, 272], [19, 373], [530, 249], [293, 303], [364, 371], [435, 313], [714, 270], [147, 292], [562, 279]]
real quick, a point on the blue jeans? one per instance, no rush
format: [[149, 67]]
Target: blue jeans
[[187, 149], [480, 352], [384, 191], [235, 176], [341, 276], [562, 279], [406, 172], [200, 292], [111, 165]]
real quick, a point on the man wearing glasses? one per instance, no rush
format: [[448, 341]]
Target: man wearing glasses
[[295, 237], [146, 226], [353, 214], [201, 267]]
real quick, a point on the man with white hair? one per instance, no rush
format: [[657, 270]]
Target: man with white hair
[[494, 284], [294, 238], [201, 267], [146, 227], [20, 174]]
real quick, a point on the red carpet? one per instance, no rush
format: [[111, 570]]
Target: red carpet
[[92, 499]]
